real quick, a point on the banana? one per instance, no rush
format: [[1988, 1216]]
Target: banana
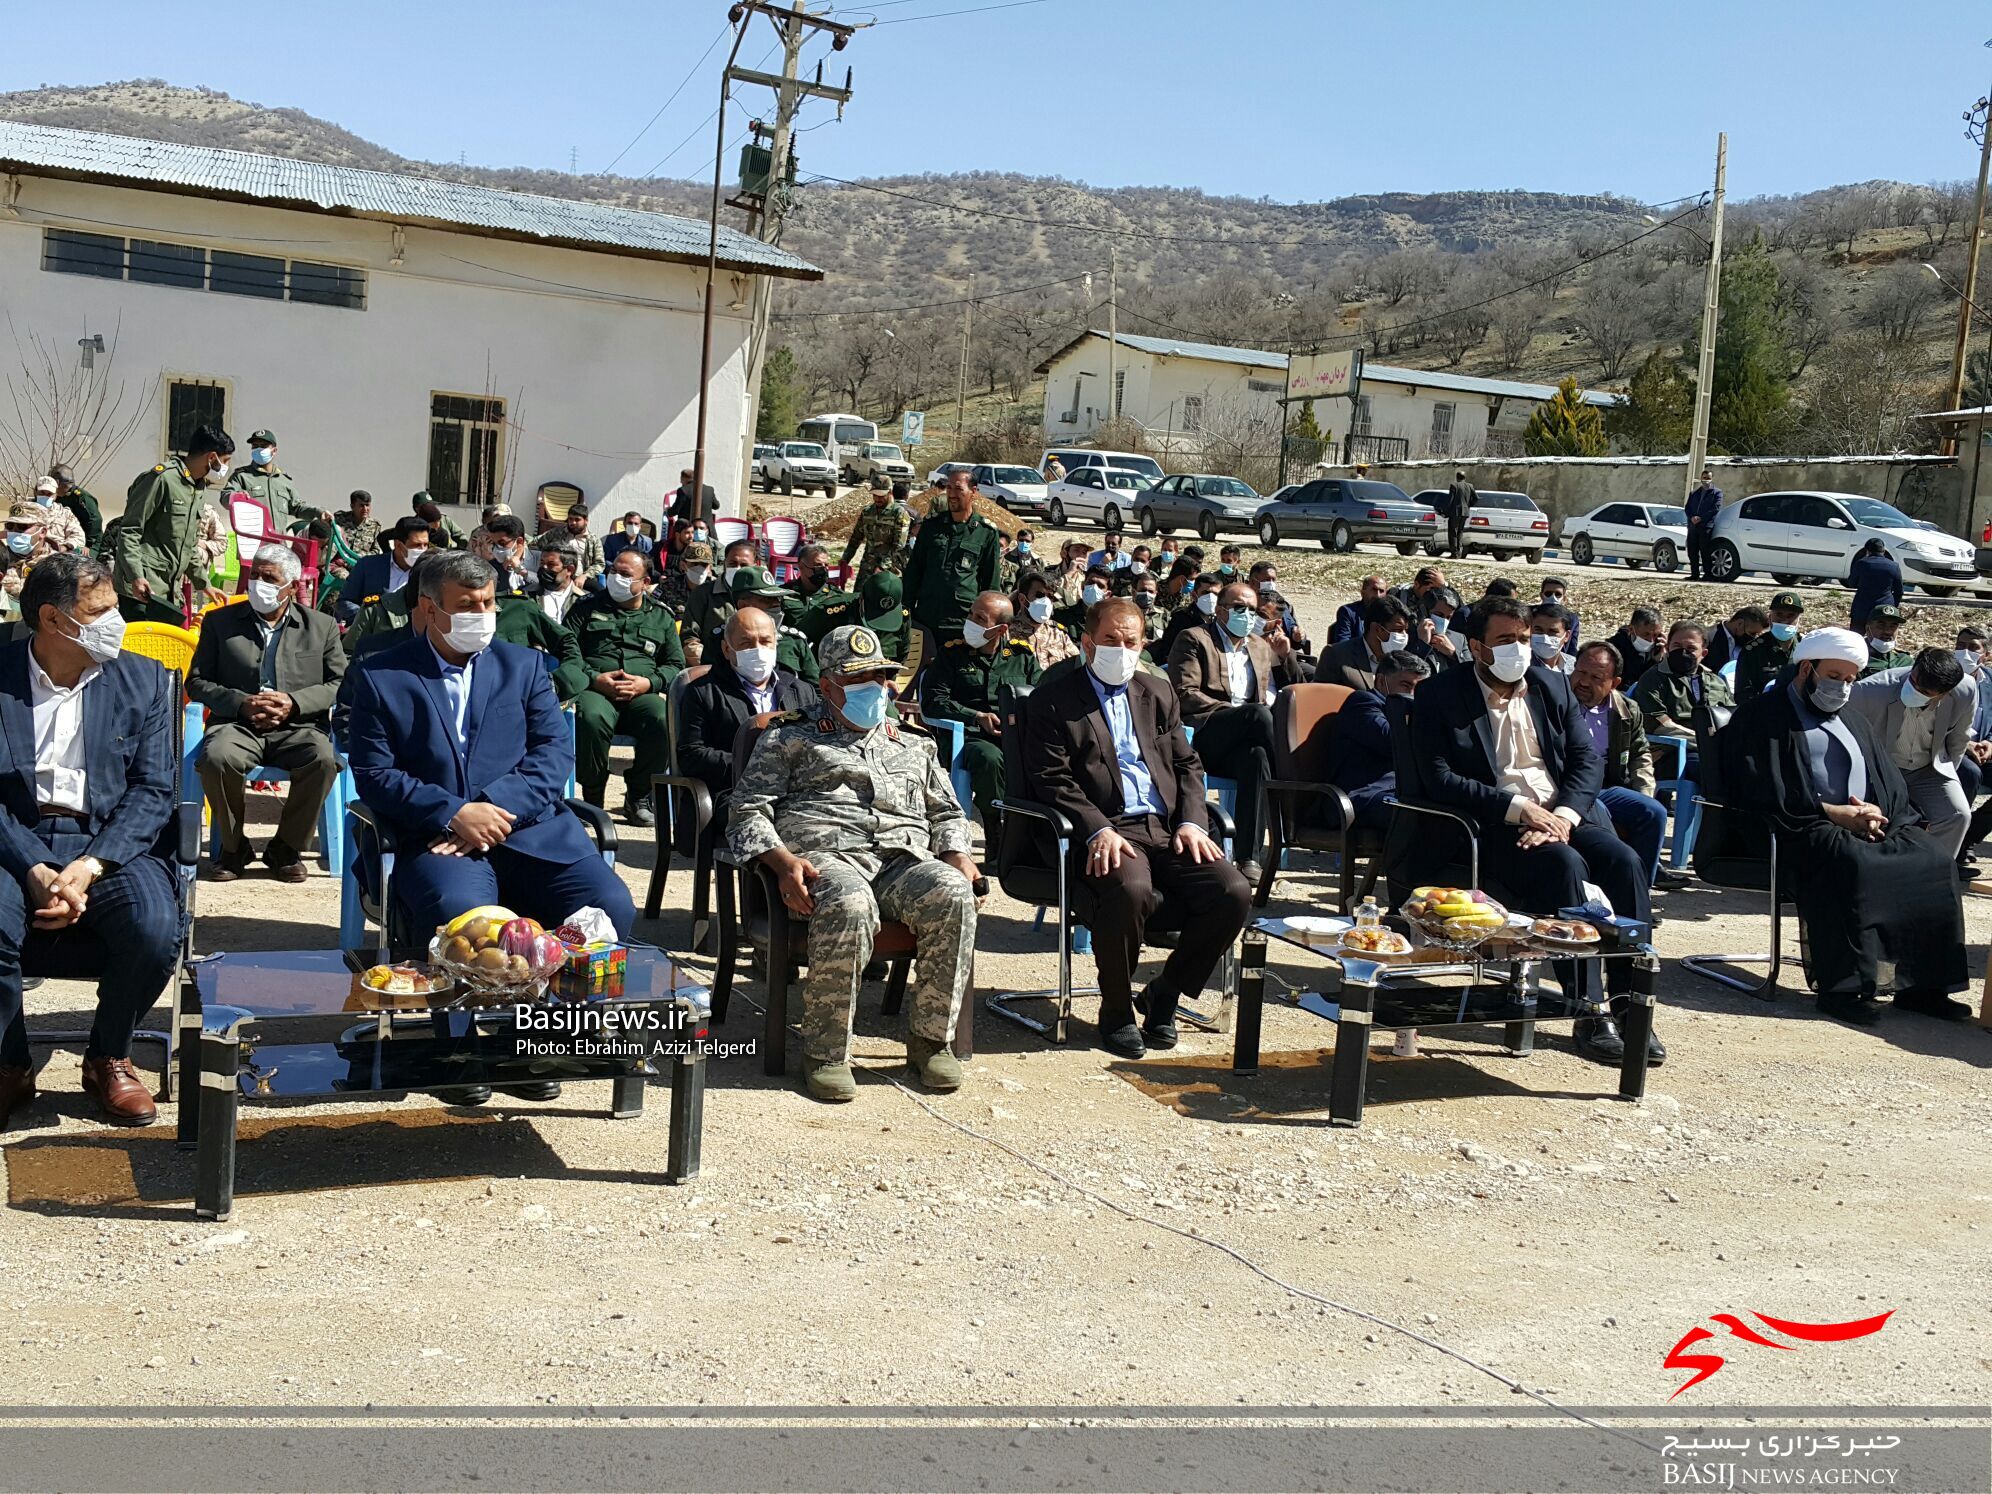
[[490, 911]]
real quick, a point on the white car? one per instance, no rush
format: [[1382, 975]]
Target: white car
[[800, 464], [1019, 489], [1072, 458], [1637, 533], [1108, 494], [1507, 526], [1811, 535], [757, 472]]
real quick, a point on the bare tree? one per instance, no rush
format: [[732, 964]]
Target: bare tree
[[1864, 398], [65, 406], [1612, 315], [1899, 302], [1946, 205], [1804, 302], [1399, 275], [1517, 319], [1850, 212]]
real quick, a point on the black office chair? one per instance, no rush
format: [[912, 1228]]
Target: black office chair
[[1735, 848], [1308, 813], [687, 829], [1032, 864], [1426, 844]]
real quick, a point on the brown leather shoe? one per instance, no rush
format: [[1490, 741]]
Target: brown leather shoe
[[17, 1089], [120, 1094], [229, 865], [285, 864]]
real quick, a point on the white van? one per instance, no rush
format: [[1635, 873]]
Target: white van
[[842, 437], [1085, 456]]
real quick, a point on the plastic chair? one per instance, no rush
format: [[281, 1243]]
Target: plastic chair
[[781, 543], [1309, 813], [551, 503], [728, 531], [1684, 795], [331, 814], [1223, 790], [166, 643]]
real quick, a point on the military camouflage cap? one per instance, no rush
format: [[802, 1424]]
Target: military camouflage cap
[[698, 552], [853, 651], [879, 483]]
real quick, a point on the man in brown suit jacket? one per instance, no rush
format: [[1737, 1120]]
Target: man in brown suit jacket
[[1106, 746], [1226, 675], [268, 670]]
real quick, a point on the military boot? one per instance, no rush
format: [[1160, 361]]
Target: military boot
[[833, 1082], [935, 1063]]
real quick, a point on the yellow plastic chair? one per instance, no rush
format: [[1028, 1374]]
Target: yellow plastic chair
[[168, 643]]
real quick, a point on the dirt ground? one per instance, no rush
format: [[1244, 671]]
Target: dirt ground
[[960, 1251]]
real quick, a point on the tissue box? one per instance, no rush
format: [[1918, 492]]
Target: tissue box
[[597, 969]]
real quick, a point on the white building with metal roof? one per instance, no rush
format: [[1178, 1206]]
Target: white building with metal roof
[[395, 332], [1179, 392]]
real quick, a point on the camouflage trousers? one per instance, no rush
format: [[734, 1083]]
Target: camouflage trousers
[[854, 891]]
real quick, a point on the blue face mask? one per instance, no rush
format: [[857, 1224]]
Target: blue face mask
[[20, 543], [1238, 621], [1226, 570], [1913, 698], [1784, 632], [864, 705], [1166, 559], [1023, 547]]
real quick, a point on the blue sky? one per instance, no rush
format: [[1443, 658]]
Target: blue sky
[[1297, 100]]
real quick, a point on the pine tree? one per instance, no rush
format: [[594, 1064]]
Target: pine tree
[[1750, 412], [1306, 427], [1564, 425], [1659, 410], [777, 419]]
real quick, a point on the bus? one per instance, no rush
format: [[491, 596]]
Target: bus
[[841, 436]]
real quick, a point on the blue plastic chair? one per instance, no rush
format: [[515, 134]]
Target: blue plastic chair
[[948, 739], [1224, 789], [573, 725], [331, 814], [1682, 793]]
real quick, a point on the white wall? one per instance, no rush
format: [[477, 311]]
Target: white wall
[[1153, 392], [1397, 410], [599, 369]]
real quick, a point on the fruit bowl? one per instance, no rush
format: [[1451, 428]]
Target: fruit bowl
[[1454, 917], [496, 956]]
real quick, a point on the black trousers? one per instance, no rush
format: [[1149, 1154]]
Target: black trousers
[[1551, 877], [1237, 743], [1213, 894], [1456, 535], [1698, 537], [127, 938]]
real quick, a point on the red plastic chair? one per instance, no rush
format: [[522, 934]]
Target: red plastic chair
[[781, 542], [253, 525], [730, 531]]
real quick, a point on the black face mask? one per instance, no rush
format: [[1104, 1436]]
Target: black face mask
[[550, 580], [1682, 661], [816, 577]]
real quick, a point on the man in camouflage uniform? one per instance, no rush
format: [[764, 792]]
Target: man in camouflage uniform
[[752, 588], [674, 587], [966, 685], [629, 648], [263, 479], [709, 603], [880, 532], [359, 530], [159, 539], [855, 818]]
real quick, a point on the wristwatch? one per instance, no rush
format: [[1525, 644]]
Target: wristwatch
[[97, 868]]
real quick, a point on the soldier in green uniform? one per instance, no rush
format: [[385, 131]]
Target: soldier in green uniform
[[957, 557], [966, 685], [1882, 625], [1765, 656], [752, 588], [1098, 587], [880, 532], [520, 620], [263, 479], [812, 588], [709, 603], [629, 649], [89, 515], [158, 542]]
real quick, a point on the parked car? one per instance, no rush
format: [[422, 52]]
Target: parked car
[[1343, 512], [1019, 489], [1637, 533], [1204, 503], [876, 457], [801, 464], [1075, 457], [938, 478], [1805, 535], [757, 470], [1108, 494], [1503, 525]]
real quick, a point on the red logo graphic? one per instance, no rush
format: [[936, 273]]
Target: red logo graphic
[[1705, 1365]]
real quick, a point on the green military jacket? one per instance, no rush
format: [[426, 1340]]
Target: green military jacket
[[797, 609], [88, 514], [1758, 663], [385, 620], [965, 680], [1894, 658], [881, 534], [640, 640], [1661, 692], [707, 607], [275, 487], [793, 652], [159, 540], [952, 564]]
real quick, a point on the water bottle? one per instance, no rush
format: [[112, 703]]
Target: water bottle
[[1369, 915]]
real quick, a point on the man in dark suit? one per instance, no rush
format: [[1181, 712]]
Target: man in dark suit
[[1359, 754], [1386, 629], [268, 671], [1505, 744], [744, 684], [631, 537], [374, 576], [88, 781], [704, 509], [458, 745], [1876, 580], [1349, 616], [1106, 746]]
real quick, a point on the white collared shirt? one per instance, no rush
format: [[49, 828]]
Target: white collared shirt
[[554, 603], [1519, 768], [1237, 666], [58, 716]]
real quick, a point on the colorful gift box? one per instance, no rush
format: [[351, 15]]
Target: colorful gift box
[[592, 970]]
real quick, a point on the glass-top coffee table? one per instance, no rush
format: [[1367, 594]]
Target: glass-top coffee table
[[299, 1025], [1434, 988]]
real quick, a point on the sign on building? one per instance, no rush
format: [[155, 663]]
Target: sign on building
[[914, 430], [1324, 375]]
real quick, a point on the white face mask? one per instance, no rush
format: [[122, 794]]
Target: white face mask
[[696, 574], [1544, 646], [1207, 604], [1969, 659], [1913, 698], [1642, 645], [266, 597], [633, 530], [1393, 642], [471, 632], [102, 638], [1114, 665], [732, 571], [975, 635], [619, 586], [1511, 662], [1040, 610], [754, 665], [1138, 568]]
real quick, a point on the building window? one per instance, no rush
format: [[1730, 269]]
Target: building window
[[464, 446], [1264, 386], [72, 253], [1120, 388], [168, 264], [1193, 412], [328, 285], [1360, 426], [246, 275], [191, 402], [1442, 429]]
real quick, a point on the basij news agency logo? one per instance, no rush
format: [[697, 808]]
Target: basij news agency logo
[[1705, 1363]]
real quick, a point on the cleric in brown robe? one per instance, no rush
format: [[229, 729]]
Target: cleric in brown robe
[[1870, 883]]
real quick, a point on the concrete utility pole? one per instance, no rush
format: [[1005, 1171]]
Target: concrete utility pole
[[961, 388], [1113, 335], [1976, 118], [1711, 306]]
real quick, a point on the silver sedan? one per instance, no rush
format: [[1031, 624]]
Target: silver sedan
[[1199, 501]]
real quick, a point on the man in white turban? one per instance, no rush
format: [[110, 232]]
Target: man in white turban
[[1870, 883]]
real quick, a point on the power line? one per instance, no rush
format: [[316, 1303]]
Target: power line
[[698, 128], [723, 33], [932, 305], [942, 15]]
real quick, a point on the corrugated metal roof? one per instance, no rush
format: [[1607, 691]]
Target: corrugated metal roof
[[354, 191], [1382, 373]]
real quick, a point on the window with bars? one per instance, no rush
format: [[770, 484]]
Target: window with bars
[[1120, 388], [1193, 412], [1442, 429], [68, 251], [246, 275], [72, 253], [1365, 411], [191, 402], [466, 443]]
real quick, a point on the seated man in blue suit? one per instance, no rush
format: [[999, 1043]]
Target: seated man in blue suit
[[1359, 757], [1504, 744], [458, 745], [376, 576], [89, 775]]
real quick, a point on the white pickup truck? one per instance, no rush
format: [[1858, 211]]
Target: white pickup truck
[[800, 464]]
